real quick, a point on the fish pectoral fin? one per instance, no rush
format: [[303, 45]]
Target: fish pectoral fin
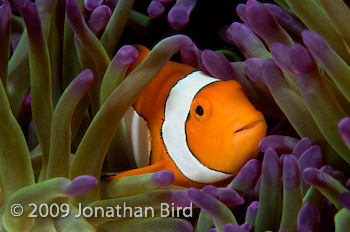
[[159, 166]]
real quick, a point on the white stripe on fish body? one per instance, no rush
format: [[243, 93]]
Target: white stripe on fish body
[[138, 134], [177, 109]]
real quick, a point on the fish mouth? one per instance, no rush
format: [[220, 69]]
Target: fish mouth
[[247, 127]]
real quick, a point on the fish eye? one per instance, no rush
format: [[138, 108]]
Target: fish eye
[[199, 111]]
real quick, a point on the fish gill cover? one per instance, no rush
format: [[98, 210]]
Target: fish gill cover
[[63, 97]]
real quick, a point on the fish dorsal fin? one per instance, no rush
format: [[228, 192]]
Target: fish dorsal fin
[[150, 103]]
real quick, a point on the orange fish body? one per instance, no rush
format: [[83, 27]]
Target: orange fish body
[[201, 128]]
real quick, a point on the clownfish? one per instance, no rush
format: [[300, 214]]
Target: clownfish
[[201, 128]]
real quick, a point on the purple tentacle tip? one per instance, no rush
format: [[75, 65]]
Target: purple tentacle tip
[[309, 217], [217, 65], [301, 147], [86, 74], [84, 79], [280, 53], [251, 2], [163, 178], [264, 24], [111, 3], [202, 200], [32, 19], [280, 143], [347, 184], [241, 12], [253, 207], [190, 55], [99, 19], [180, 198], [317, 177], [246, 227], [210, 189], [92, 4], [155, 9], [311, 175], [229, 227], [344, 199], [327, 169], [253, 67], [224, 34], [344, 129], [339, 176], [178, 17], [27, 103], [312, 157], [315, 42], [226, 195], [230, 197], [16, 5], [303, 229], [80, 185], [74, 15], [301, 61], [5, 16], [291, 171], [247, 177], [186, 227], [127, 55]]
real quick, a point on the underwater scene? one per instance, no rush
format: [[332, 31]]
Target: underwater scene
[[174, 115]]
